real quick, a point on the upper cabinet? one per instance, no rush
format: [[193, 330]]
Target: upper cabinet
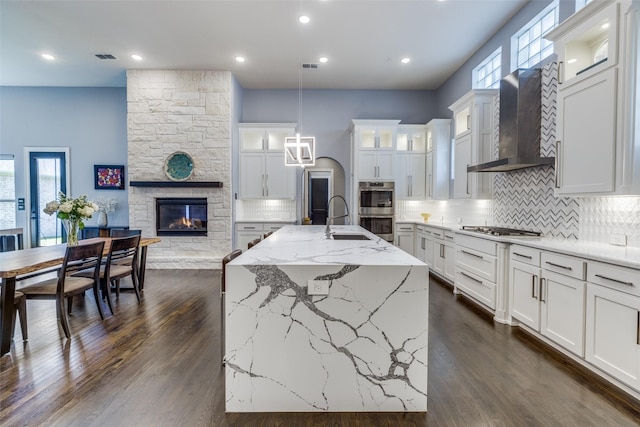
[[263, 174], [438, 143], [596, 143], [374, 145], [474, 133], [410, 176]]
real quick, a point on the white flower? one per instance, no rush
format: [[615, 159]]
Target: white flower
[[51, 207], [86, 211], [66, 207]]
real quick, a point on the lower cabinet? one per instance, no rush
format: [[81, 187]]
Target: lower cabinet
[[546, 301], [613, 321], [248, 231], [420, 243], [404, 237], [444, 254]]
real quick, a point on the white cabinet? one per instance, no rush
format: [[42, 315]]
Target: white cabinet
[[411, 176], [482, 273], [598, 77], [263, 174], [248, 231], [474, 133], [420, 243], [548, 295], [438, 159], [404, 237], [375, 165], [444, 254], [613, 321], [373, 145], [411, 139]]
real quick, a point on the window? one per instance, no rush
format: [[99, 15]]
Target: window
[[528, 47], [581, 3], [487, 75], [7, 192]]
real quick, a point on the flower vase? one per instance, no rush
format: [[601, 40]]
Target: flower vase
[[102, 219], [72, 227]]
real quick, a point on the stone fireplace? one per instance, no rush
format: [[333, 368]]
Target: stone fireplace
[[189, 111], [181, 216]]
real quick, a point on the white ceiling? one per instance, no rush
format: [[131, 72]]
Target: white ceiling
[[363, 39]]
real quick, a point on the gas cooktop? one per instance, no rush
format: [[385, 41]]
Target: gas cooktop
[[500, 231]]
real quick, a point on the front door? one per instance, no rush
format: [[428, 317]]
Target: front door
[[48, 176]]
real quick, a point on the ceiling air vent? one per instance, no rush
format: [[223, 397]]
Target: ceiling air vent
[[105, 56], [313, 66]]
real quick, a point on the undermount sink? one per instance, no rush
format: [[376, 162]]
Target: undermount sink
[[350, 236]]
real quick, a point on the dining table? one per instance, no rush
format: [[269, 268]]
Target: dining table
[[21, 264]]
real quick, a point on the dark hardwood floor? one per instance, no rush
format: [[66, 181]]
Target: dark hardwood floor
[[158, 364]]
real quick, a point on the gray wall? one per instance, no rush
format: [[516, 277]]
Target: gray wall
[[460, 82], [91, 121]]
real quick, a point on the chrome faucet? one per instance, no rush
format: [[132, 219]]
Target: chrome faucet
[[327, 230]]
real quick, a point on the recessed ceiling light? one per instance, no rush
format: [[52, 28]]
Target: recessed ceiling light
[[304, 19], [48, 56], [572, 61], [405, 60], [240, 58], [323, 59], [136, 57]]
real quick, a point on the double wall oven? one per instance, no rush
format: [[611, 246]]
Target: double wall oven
[[376, 208]]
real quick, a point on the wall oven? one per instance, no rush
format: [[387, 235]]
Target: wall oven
[[376, 208]]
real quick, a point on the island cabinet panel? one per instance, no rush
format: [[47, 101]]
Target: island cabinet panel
[[359, 345]]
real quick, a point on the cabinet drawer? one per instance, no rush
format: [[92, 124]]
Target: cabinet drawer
[[478, 263], [249, 226], [405, 227], [421, 229], [436, 232], [562, 264], [483, 291], [449, 236], [526, 255], [612, 276], [480, 245], [274, 226]]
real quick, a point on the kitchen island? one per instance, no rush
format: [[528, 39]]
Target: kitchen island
[[360, 344]]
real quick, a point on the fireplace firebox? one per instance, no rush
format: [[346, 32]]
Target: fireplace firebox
[[181, 216]]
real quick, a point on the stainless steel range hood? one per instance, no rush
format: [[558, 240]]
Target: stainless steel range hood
[[520, 113]]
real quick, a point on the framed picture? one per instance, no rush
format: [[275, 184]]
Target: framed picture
[[109, 177]]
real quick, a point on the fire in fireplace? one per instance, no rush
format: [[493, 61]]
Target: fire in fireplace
[[181, 216]]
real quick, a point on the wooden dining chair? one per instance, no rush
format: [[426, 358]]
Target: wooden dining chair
[[124, 232], [85, 257], [20, 305], [121, 261], [267, 234], [223, 289], [253, 243]]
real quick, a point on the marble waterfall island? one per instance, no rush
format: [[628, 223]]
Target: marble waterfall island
[[360, 346]]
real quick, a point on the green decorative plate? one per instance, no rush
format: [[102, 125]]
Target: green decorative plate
[[178, 166]]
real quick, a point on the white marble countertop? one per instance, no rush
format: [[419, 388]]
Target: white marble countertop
[[627, 256], [307, 245], [269, 220]]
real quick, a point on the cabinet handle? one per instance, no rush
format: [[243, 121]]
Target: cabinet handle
[[473, 255], [467, 190], [468, 121], [559, 266], [263, 186], [248, 228], [533, 287], [543, 283], [638, 330], [448, 237], [472, 278], [423, 243], [441, 250], [614, 280], [523, 256], [557, 165], [267, 184], [559, 73], [429, 181]]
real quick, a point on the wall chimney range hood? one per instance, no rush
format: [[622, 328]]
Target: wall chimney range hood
[[519, 125]]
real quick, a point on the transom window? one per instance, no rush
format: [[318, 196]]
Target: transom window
[[528, 47], [488, 73]]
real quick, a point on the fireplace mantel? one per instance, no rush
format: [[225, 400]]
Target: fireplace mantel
[[192, 184]]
